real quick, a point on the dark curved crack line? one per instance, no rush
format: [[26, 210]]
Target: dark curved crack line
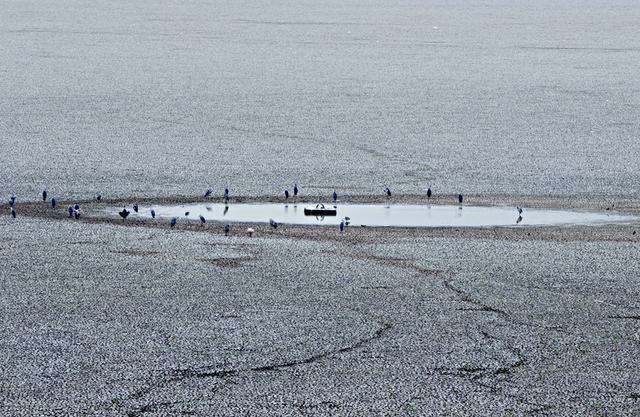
[[191, 373], [625, 317], [208, 372], [474, 375]]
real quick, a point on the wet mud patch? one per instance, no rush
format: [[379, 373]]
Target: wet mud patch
[[403, 263], [377, 287], [136, 252], [237, 246], [228, 262], [84, 242]]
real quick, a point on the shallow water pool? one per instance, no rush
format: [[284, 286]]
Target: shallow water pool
[[398, 215]]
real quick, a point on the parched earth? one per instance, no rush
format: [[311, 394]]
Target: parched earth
[[524, 103], [136, 319]]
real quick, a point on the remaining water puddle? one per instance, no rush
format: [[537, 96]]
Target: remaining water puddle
[[379, 215]]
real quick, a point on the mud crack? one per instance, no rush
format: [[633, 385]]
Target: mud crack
[[178, 375]]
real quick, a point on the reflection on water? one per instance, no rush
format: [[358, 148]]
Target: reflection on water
[[387, 215]]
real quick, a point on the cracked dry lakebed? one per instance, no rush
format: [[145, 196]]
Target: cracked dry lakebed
[[418, 307], [105, 316]]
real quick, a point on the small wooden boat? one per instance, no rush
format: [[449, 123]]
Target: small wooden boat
[[320, 210]]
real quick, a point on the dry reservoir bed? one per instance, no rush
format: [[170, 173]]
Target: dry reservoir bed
[[100, 318]]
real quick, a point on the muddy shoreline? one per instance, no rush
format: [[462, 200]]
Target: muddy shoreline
[[93, 212]]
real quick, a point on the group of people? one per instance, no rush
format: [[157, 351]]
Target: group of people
[[74, 210]]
